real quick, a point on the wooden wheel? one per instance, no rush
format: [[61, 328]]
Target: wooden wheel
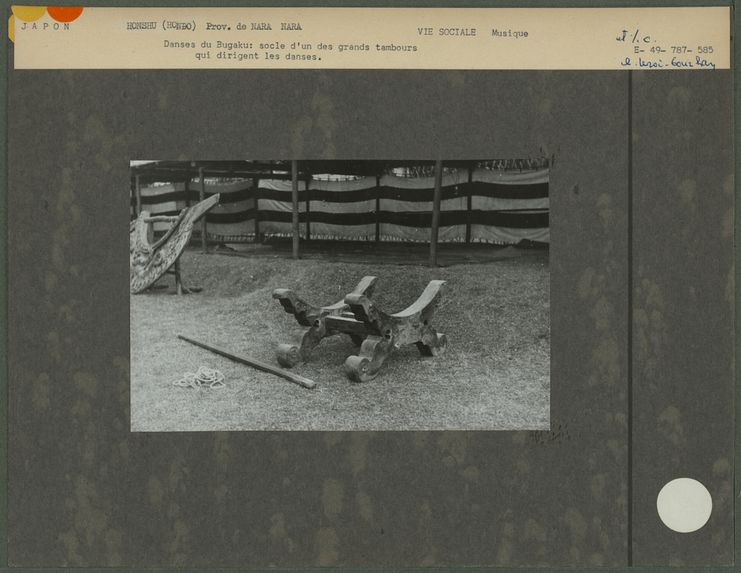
[[357, 369], [288, 355]]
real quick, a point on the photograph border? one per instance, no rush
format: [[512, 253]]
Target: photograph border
[[493, 222]]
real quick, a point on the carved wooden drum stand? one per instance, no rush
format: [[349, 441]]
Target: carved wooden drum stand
[[388, 332], [378, 333], [315, 318], [150, 261]]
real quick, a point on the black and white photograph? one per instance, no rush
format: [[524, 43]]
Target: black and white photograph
[[340, 295]]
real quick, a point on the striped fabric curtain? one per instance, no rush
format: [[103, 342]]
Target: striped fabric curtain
[[487, 206]]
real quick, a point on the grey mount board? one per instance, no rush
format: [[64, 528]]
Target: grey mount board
[[84, 491], [683, 308]]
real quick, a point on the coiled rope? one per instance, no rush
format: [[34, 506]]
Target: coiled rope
[[203, 378]]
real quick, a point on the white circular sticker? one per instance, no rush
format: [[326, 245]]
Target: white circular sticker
[[684, 505]]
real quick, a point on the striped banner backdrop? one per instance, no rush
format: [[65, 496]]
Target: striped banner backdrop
[[482, 205], [232, 220]]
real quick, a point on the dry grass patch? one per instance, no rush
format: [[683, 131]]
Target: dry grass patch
[[494, 375]]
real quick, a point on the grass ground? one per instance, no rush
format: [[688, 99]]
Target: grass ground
[[494, 375]]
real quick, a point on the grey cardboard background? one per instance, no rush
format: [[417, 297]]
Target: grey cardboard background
[[85, 491], [683, 311]]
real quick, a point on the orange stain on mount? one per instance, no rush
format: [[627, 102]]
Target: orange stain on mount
[[64, 13]]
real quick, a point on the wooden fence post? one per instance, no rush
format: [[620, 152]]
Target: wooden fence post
[[308, 209], [138, 192], [378, 208], [202, 196], [469, 203], [436, 211], [255, 186], [187, 189], [294, 198]]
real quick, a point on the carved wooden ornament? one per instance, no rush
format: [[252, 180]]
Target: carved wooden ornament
[[149, 261]]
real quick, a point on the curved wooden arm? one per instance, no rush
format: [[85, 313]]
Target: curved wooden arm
[[161, 219], [366, 286], [187, 218], [425, 304], [148, 262], [422, 309], [305, 313]]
